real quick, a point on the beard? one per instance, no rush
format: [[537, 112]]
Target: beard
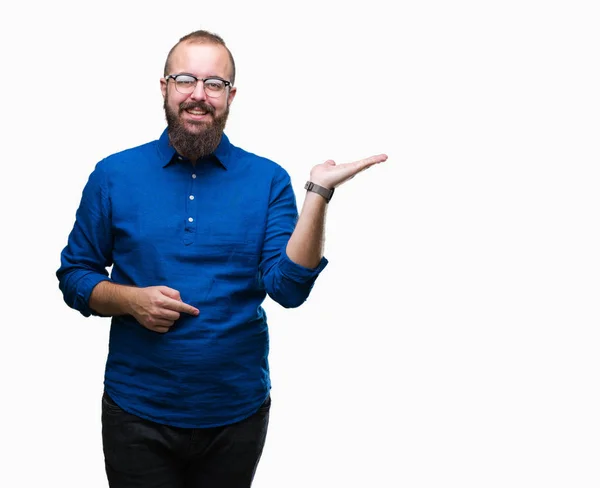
[[202, 142]]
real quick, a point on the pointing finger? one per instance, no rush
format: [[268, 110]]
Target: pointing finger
[[183, 307]]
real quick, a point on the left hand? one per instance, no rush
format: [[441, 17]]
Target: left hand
[[331, 175]]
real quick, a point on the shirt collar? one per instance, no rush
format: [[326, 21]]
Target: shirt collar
[[168, 155]]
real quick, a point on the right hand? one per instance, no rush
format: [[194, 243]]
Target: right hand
[[158, 307]]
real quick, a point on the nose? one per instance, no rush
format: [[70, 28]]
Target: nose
[[198, 93]]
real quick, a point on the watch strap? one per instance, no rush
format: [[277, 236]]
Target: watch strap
[[321, 190]]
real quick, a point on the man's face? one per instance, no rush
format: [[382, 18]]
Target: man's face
[[196, 120]]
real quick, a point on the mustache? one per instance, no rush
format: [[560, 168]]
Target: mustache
[[205, 107]]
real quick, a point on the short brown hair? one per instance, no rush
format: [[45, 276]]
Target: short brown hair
[[202, 36]]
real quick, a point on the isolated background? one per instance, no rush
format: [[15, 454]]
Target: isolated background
[[453, 339]]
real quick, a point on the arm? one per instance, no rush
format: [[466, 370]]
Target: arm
[[88, 253], [305, 246], [287, 282], [289, 273], [306, 243], [155, 307], [83, 277]]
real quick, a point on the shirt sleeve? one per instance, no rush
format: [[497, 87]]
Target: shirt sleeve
[[88, 253], [285, 281]]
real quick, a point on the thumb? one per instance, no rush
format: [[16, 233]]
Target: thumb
[[170, 292]]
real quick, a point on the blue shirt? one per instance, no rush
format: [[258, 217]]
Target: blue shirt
[[217, 233]]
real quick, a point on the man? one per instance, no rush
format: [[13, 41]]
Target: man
[[197, 232]]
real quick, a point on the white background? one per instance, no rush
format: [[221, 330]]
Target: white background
[[453, 338]]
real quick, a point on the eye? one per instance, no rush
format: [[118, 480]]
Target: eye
[[185, 80], [214, 84]]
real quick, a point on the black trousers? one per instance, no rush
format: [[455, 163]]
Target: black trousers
[[140, 453]]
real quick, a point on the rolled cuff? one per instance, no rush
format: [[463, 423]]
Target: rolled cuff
[[298, 273], [84, 290]]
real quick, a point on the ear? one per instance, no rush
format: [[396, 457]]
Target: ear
[[231, 95], [163, 87]]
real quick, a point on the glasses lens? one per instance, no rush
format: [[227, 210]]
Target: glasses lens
[[185, 83], [214, 87]]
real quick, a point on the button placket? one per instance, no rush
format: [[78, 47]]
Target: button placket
[[190, 212]]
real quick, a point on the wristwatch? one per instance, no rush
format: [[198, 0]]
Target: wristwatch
[[324, 192]]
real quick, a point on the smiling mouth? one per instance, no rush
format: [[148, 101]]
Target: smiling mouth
[[196, 112]]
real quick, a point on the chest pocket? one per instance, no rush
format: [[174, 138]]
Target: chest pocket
[[235, 244]]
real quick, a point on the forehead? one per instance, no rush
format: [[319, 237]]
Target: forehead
[[201, 59]]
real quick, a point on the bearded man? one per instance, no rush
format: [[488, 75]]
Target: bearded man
[[198, 232]]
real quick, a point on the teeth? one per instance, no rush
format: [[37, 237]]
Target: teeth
[[196, 112]]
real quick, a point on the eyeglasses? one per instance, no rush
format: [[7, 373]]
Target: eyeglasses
[[186, 84]]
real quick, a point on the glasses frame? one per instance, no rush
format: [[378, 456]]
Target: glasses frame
[[174, 78]]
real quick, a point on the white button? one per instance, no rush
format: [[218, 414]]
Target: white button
[[191, 197], [190, 219], [194, 176]]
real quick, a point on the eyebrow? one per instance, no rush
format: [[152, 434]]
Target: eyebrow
[[199, 77]]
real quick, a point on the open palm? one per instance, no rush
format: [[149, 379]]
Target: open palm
[[331, 175]]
